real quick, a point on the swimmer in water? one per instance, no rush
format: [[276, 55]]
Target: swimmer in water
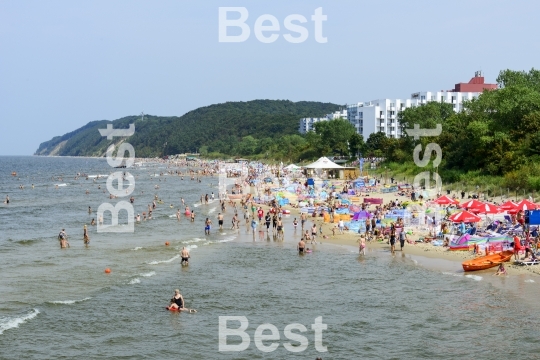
[[192, 216], [7, 200], [93, 222], [184, 254]]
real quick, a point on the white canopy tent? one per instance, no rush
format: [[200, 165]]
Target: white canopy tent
[[324, 163], [292, 167]]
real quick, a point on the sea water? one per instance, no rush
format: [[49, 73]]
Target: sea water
[[60, 304]]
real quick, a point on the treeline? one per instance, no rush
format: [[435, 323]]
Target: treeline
[[228, 129]]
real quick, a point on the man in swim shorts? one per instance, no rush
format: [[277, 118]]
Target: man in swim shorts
[[220, 221], [301, 246], [207, 224], [184, 254]]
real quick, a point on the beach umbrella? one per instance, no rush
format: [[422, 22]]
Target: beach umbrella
[[445, 200], [464, 216], [486, 209], [509, 205], [471, 204], [527, 205]]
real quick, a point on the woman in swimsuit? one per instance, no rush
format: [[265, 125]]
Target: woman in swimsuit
[[85, 235], [177, 301]]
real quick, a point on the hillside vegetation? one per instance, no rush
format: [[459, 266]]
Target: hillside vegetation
[[232, 128]]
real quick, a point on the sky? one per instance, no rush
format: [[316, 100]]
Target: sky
[[66, 63]]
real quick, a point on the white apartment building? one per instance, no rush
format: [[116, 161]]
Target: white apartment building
[[381, 115], [306, 124]]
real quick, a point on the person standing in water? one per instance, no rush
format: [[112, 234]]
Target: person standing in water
[[301, 246], [63, 239], [220, 221], [392, 239], [184, 254], [178, 214], [7, 200], [362, 245], [86, 238], [207, 224], [192, 216]]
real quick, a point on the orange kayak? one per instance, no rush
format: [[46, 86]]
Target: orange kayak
[[486, 262]]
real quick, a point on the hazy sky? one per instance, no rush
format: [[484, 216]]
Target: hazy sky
[[65, 63]]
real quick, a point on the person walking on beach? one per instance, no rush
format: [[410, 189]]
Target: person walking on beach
[[313, 233], [392, 239], [402, 238], [341, 226], [184, 254], [86, 238]]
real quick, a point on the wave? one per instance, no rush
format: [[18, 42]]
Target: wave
[[452, 274], [474, 277], [95, 176], [212, 210], [148, 274], [135, 281], [69, 302], [137, 248], [191, 247], [10, 323], [529, 281], [64, 184], [164, 261]]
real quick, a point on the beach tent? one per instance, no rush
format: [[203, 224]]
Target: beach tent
[[445, 200], [292, 167], [464, 216], [324, 163]]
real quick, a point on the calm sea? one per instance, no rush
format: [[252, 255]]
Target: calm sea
[[59, 304]]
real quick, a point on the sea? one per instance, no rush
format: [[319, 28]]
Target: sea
[[60, 304]]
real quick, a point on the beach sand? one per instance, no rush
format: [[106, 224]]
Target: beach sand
[[425, 250]]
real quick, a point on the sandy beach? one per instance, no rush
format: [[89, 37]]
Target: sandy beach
[[426, 250]]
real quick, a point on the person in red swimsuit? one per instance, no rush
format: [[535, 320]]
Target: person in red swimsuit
[[517, 247]]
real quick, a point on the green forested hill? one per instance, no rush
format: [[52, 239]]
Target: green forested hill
[[228, 128]]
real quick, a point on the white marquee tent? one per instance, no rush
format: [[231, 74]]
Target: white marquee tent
[[324, 163]]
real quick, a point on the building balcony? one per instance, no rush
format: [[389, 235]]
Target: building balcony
[[391, 116], [391, 108], [381, 116]]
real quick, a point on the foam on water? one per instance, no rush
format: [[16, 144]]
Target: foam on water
[[10, 323], [164, 261], [529, 281], [474, 277], [135, 281], [59, 185], [451, 274], [191, 247], [137, 248], [148, 274], [212, 210], [69, 302]]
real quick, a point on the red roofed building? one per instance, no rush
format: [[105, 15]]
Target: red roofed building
[[476, 84]]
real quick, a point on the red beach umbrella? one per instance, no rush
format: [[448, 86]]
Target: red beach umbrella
[[486, 209], [445, 200], [509, 205], [471, 204], [464, 216], [528, 204]]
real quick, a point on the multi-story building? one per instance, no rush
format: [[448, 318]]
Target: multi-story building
[[381, 115], [306, 124]]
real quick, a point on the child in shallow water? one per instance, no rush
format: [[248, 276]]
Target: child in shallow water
[[501, 270]]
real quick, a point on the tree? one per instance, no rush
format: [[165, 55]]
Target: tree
[[357, 145], [334, 134], [375, 141]]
